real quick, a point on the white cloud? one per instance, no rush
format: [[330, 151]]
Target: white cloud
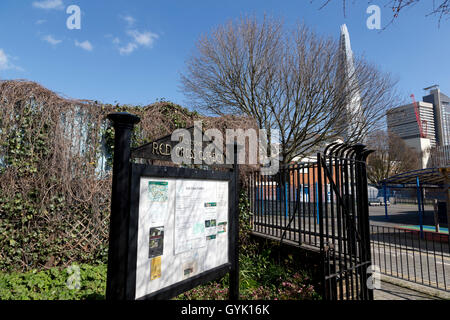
[[138, 39], [49, 38], [85, 45], [129, 20], [145, 38], [41, 21], [49, 4], [5, 62], [128, 49]]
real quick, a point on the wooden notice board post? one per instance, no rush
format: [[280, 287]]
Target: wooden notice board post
[[123, 123]]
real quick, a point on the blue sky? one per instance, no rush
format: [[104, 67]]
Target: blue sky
[[132, 52]]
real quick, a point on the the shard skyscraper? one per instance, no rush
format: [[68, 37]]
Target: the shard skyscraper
[[350, 121]]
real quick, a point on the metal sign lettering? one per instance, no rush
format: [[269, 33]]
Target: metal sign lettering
[[162, 149]]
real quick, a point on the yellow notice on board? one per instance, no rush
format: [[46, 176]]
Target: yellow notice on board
[[155, 268]]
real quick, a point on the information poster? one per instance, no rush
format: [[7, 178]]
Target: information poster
[[190, 215], [182, 231]]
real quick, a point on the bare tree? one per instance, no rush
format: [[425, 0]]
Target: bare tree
[[439, 8], [289, 80], [392, 156]]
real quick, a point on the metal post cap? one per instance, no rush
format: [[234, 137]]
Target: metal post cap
[[359, 147], [123, 118]]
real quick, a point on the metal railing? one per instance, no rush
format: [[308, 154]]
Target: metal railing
[[403, 254], [395, 200], [321, 206], [285, 206]]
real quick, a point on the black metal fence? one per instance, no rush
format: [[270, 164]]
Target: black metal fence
[[285, 205], [376, 195], [323, 205], [403, 254], [398, 200]]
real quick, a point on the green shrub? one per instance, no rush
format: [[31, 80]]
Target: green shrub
[[261, 278], [54, 284]]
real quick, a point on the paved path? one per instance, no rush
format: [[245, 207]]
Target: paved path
[[390, 291]]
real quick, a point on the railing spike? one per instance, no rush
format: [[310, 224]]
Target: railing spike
[[327, 147]]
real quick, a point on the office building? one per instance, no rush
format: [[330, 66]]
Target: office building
[[441, 108], [402, 121], [430, 138]]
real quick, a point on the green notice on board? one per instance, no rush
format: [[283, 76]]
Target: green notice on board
[[158, 183], [210, 204]]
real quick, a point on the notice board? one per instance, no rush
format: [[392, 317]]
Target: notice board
[[182, 225]]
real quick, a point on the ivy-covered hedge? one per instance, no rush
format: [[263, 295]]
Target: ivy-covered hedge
[[55, 185]]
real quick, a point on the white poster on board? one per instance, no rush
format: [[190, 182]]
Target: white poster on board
[[190, 215]]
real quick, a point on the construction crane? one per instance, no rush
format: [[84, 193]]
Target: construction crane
[[423, 125]]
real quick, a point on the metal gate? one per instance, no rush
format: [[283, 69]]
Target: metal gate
[[321, 205], [344, 223]]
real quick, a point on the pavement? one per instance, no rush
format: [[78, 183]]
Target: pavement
[[389, 291]]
